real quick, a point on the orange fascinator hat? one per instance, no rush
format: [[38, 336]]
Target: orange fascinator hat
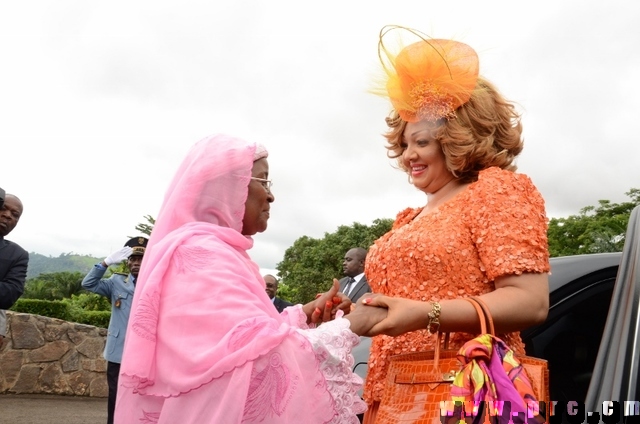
[[428, 79]]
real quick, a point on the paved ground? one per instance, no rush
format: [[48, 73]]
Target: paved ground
[[49, 409]]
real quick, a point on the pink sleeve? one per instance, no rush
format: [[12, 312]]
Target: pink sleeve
[[332, 343], [295, 317]]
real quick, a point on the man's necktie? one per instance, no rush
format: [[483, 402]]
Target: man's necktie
[[349, 286]]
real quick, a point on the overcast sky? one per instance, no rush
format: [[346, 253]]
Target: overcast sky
[[99, 102]]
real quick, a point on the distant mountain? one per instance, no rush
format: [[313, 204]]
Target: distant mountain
[[40, 264]]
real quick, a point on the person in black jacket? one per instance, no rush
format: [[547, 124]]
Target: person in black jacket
[[13, 259], [271, 283], [355, 283]]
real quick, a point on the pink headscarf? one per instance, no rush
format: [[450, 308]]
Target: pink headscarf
[[200, 308]]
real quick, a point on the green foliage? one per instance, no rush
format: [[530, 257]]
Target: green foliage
[[55, 285], [310, 265], [146, 228], [285, 292], [66, 309], [47, 308], [121, 268], [37, 289], [596, 229], [90, 302], [83, 309], [40, 264], [60, 295], [95, 318]]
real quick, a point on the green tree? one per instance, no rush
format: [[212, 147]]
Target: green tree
[[311, 264], [89, 302], [148, 227], [596, 229], [66, 284], [54, 286], [36, 289]]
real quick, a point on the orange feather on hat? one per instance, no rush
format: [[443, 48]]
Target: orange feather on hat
[[428, 79]]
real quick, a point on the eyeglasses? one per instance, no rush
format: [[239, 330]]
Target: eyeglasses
[[265, 183]]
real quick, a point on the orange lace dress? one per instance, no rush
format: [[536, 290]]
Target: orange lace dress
[[497, 226]]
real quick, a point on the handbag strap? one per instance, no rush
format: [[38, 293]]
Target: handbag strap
[[485, 316], [481, 315], [486, 322]]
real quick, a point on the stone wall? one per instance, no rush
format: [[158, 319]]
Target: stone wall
[[52, 356]]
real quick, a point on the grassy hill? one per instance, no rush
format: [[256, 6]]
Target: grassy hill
[[40, 264]]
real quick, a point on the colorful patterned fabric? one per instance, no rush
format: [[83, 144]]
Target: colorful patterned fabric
[[493, 375]]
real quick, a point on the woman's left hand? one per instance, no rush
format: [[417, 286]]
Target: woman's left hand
[[341, 301]]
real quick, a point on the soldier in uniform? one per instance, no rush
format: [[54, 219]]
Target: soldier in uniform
[[119, 290]]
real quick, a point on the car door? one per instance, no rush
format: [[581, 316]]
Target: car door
[[570, 337], [615, 375]]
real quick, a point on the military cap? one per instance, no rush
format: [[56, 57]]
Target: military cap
[[138, 244]]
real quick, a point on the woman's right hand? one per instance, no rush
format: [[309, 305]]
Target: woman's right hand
[[363, 318], [403, 315]]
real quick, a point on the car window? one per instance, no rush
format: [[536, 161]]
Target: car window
[[570, 337]]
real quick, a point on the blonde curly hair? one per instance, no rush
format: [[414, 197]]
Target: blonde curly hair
[[486, 131]]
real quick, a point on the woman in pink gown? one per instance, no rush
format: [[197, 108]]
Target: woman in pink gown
[[204, 342]]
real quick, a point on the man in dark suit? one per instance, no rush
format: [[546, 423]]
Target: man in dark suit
[[355, 283], [271, 288], [13, 259]]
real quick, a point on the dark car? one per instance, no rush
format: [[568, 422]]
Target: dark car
[[588, 294]]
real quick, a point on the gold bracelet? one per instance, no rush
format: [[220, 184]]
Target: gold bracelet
[[434, 318]]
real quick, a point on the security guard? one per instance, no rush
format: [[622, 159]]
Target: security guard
[[119, 289]]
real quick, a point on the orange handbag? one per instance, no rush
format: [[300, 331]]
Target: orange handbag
[[417, 382]]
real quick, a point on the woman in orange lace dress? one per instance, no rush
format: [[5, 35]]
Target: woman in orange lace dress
[[483, 229]]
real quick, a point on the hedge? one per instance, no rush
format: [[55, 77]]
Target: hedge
[[62, 310], [95, 318], [47, 308]]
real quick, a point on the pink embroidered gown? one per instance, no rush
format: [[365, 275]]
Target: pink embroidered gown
[[204, 342]]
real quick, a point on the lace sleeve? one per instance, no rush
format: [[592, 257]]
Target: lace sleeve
[[332, 343], [295, 317]]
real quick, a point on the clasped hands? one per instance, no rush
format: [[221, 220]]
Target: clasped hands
[[325, 305], [373, 314]]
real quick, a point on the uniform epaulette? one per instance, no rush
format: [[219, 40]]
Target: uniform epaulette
[[121, 273]]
